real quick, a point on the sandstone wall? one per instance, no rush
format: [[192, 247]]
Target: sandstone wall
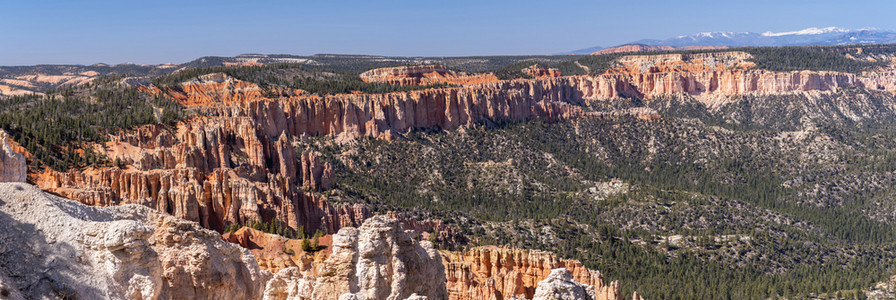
[[375, 261], [499, 273], [381, 243], [423, 75]]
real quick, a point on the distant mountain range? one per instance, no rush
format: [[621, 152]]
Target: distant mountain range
[[806, 37]]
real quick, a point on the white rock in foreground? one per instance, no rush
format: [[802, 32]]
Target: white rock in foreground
[[379, 260], [52, 247], [560, 286]]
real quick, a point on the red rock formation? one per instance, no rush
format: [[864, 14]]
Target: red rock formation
[[238, 162], [711, 77], [214, 199], [445, 235], [481, 273], [424, 75], [538, 71], [219, 88], [646, 48], [316, 175], [274, 252], [499, 273]]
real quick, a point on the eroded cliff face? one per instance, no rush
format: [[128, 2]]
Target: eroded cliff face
[[274, 253], [715, 78], [219, 89], [238, 161], [57, 248], [61, 248], [499, 273], [539, 71], [424, 75], [378, 260], [383, 243]]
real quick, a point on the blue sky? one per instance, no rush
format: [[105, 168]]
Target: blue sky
[[159, 31]]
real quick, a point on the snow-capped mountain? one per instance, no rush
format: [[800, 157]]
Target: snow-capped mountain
[[810, 36], [807, 31]]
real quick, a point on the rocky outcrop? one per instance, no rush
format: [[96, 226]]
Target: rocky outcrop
[[316, 175], [56, 248], [539, 71], [12, 163], [424, 75], [646, 48], [219, 89], [882, 290], [273, 252], [214, 200], [445, 236], [499, 273], [376, 261], [349, 116], [239, 162], [712, 78], [560, 286]]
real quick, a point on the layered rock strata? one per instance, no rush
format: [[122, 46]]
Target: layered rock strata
[[539, 71], [499, 273], [379, 260], [238, 163], [133, 252], [56, 248], [274, 253], [481, 273], [423, 75]]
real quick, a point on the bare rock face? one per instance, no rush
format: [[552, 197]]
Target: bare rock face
[[882, 290], [8, 291], [714, 77], [423, 75], [238, 163], [376, 261], [57, 248], [539, 71], [12, 164], [500, 273], [560, 286], [273, 252]]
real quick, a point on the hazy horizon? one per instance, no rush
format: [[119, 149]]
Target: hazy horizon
[[90, 32]]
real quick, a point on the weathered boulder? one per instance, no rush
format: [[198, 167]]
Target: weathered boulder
[[560, 286]]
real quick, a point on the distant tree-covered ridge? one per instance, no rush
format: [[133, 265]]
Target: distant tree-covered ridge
[[294, 76], [815, 58], [57, 126]]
